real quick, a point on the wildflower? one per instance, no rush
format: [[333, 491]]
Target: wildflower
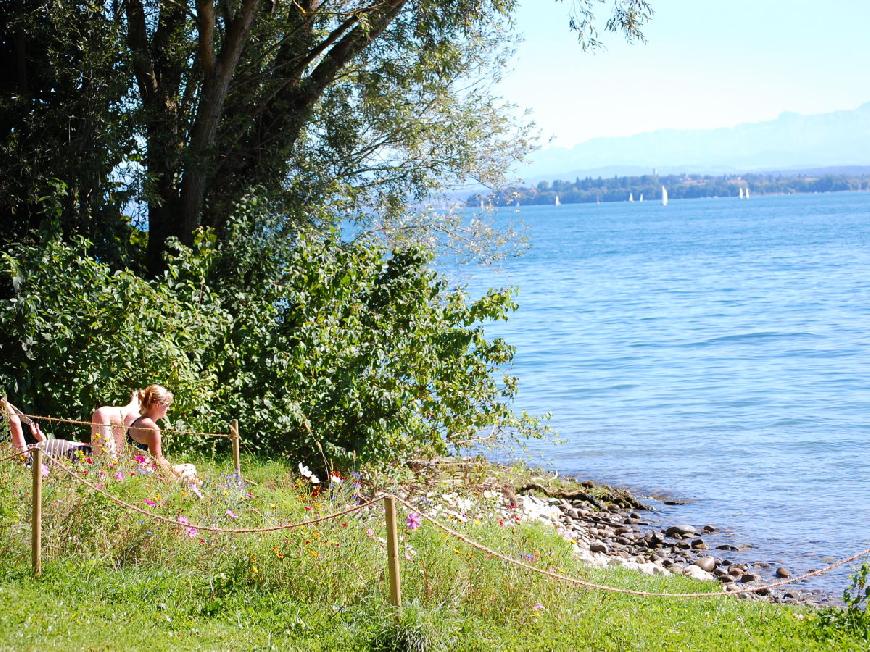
[[150, 502], [413, 521], [194, 489], [140, 459], [538, 607], [182, 520], [335, 478], [305, 472], [119, 476], [308, 508], [528, 556], [231, 514], [44, 470], [89, 460], [370, 532], [191, 532]]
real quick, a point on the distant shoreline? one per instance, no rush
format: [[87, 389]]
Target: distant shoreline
[[649, 188]]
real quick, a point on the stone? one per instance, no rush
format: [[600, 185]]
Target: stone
[[727, 546], [706, 564], [682, 529], [749, 577], [698, 544], [710, 528], [598, 546], [697, 573], [782, 572]]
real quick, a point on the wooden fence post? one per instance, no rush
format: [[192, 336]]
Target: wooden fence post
[[36, 517], [393, 552], [237, 462]]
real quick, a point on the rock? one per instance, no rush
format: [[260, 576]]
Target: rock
[[698, 544], [710, 528], [735, 571], [697, 573], [706, 564], [684, 530], [749, 577], [598, 546], [782, 572], [725, 578], [727, 546], [763, 591]]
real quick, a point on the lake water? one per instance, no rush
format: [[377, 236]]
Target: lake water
[[713, 350]]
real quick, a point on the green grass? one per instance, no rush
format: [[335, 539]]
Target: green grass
[[119, 581]]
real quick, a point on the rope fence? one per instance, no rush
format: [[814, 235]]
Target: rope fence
[[614, 589], [390, 501], [36, 417]]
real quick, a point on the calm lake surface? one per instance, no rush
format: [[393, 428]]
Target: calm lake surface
[[714, 350]]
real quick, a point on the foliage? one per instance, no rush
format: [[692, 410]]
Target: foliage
[[854, 619], [319, 347], [173, 111], [76, 335]]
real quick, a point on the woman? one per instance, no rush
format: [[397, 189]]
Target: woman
[[52, 447], [109, 424], [144, 433], [15, 417]]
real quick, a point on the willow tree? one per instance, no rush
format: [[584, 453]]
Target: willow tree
[[177, 109]]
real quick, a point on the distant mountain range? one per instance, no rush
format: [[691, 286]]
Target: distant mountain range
[[790, 142]]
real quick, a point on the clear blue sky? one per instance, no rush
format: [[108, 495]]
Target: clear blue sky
[[705, 64]]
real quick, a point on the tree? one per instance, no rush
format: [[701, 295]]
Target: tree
[[180, 108]]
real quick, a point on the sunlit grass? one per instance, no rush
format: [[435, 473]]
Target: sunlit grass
[[116, 580]]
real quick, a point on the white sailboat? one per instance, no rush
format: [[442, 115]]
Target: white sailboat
[[641, 197], [664, 196], [741, 193], [746, 195], [558, 203], [630, 197]]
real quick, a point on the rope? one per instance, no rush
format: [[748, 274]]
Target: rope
[[91, 423], [19, 453], [205, 528], [613, 589]]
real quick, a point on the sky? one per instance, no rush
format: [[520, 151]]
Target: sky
[[705, 64]]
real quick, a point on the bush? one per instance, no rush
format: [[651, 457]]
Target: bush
[[321, 348]]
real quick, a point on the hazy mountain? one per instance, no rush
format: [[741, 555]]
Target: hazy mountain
[[791, 141]]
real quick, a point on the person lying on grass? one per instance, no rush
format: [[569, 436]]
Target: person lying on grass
[[109, 424], [144, 433], [20, 441], [13, 416]]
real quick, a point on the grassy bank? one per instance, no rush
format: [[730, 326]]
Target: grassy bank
[[119, 580]]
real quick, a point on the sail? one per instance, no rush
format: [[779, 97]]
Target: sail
[[558, 203], [747, 192], [741, 193], [664, 196], [630, 197], [641, 197]]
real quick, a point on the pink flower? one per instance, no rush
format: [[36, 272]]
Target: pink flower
[[44, 470], [194, 489], [182, 520], [191, 532], [370, 532], [413, 521], [140, 459], [231, 513], [538, 607], [150, 502], [119, 476]]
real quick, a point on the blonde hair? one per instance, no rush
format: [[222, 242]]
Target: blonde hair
[[155, 395]]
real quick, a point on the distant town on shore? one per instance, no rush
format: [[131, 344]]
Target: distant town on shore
[[682, 186]]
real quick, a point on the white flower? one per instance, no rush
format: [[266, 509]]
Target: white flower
[[304, 471], [334, 479], [314, 479]]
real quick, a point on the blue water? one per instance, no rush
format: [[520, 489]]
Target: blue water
[[714, 350]]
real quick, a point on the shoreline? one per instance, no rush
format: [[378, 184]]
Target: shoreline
[[609, 526]]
